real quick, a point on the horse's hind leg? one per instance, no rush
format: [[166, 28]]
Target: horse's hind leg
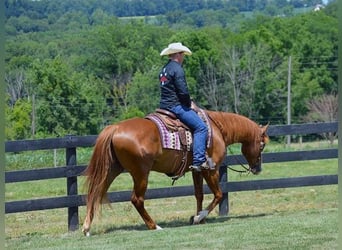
[[112, 174], [138, 198]]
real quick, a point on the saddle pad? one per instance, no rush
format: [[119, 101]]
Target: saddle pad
[[170, 139], [203, 115]]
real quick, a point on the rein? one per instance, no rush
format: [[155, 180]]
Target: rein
[[247, 170]]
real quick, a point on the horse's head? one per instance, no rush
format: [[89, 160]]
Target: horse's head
[[252, 150]]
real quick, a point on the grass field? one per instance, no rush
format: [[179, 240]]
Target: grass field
[[294, 218], [311, 229]]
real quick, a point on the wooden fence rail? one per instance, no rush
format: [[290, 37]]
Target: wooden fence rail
[[71, 171]]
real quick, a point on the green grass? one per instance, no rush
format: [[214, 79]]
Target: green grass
[[43, 159], [293, 218], [313, 229]]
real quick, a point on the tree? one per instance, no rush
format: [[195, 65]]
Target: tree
[[144, 93], [118, 50], [67, 102], [119, 99], [16, 87], [215, 91], [323, 109], [243, 64], [80, 55], [18, 120], [19, 105], [205, 45]]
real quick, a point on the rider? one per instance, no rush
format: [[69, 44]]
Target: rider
[[175, 97]]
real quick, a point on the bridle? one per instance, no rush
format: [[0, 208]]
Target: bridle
[[246, 170]]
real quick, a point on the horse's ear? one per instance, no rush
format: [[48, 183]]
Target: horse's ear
[[263, 132], [264, 128]]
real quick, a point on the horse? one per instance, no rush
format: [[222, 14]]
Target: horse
[[134, 145]]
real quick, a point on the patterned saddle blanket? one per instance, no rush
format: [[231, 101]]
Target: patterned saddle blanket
[[173, 133]]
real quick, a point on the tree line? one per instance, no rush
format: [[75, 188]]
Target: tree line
[[122, 8], [37, 16], [84, 75]]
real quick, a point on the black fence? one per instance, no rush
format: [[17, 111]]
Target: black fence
[[71, 171]]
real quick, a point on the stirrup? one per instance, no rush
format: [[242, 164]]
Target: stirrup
[[203, 166], [208, 164], [196, 168]]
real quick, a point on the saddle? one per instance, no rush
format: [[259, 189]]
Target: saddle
[[176, 135], [171, 120], [173, 124]]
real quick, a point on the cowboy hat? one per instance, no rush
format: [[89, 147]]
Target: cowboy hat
[[175, 48]]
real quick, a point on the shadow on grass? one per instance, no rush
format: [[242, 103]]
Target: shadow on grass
[[179, 223]]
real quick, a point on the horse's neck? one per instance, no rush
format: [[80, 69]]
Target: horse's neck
[[234, 128]]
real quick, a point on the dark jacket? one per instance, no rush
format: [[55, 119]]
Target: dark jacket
[[173, 86]]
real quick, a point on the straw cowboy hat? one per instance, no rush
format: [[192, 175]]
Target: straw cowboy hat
[[175, 48]]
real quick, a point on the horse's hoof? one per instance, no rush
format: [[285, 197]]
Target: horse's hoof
[[159, 228], [86, 232], [191, 220], [197, 219]]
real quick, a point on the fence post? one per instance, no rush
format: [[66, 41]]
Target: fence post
[[72, 188], [224, 203]]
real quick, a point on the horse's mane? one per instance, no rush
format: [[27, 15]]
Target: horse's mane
[[233, 125]]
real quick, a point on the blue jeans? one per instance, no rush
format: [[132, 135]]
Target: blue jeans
[[199, 129]]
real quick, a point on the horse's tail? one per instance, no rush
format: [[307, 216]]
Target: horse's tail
[[97, 172]]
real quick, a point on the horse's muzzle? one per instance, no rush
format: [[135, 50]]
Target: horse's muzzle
[[256, 169]]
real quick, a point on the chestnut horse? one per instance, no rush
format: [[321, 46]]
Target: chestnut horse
[[134, 145]]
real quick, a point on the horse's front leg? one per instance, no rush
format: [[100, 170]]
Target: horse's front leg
[[198, 189], [212, 179]]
